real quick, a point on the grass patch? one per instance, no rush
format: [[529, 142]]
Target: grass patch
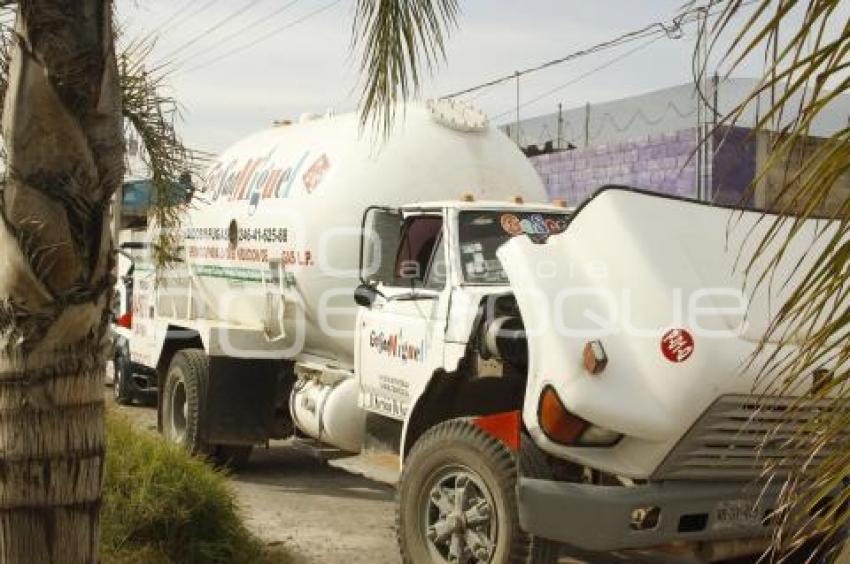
[[161, 505]]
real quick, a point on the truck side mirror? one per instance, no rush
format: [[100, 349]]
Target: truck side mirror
[[365, 295]]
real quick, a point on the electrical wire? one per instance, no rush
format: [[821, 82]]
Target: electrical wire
[[621, 40], [579, 78], [169, 25], [266, 36], [213, 28], [265, 18], [177, 13], [672, 30]]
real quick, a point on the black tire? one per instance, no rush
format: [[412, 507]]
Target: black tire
[[456, 452], [122, 382], [182, 405]]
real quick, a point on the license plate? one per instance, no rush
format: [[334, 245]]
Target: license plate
[[735, 513]]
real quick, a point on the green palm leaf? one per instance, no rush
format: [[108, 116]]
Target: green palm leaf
[[806, 69], [398, 39]]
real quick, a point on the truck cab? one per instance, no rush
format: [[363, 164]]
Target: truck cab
[[427, 271]]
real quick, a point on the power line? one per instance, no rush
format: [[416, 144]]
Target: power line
[[265, 18], [177, 13], [633, 36], [216, 26], [266, 36], [177, 21], [579, 78], [671, 30]]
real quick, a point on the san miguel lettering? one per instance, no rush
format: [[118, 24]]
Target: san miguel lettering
[[394, 346]]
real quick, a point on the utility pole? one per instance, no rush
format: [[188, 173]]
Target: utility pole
[[712, 134], [587, 124], [702, 112], [708, 88], [516, 74], [558, 144]]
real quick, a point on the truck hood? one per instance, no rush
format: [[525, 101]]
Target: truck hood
[[655, 280]]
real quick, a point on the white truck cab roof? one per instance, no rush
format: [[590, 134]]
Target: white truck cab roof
[[488, 205]]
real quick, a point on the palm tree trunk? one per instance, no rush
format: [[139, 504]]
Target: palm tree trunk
[[63, 132]]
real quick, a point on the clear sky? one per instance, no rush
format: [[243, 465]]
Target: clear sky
[[302, 59]]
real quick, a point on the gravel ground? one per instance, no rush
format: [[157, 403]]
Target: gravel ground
[[320, 513]]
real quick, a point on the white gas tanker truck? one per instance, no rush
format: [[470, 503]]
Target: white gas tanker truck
[[541, 375]]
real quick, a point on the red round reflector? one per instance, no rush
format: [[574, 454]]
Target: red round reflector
[[677, 345]]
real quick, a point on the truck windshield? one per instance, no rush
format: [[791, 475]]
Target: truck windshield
[[482, 232]]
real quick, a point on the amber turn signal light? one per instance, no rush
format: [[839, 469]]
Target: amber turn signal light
[[562, 427], [595, 359], [559, 424]]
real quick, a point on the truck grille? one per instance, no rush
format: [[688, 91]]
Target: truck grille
[[739, 436]]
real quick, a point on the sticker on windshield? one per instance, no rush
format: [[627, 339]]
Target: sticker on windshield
[[534, 225], [510, 223]]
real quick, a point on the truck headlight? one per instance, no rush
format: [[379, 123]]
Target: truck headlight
[[564, 428]]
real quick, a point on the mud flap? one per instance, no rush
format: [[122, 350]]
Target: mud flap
[[240, 401]]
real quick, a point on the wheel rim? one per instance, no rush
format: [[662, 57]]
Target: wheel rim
[[179, 411], [460, 521]]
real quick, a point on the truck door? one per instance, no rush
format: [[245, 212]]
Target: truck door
[[400, 336]]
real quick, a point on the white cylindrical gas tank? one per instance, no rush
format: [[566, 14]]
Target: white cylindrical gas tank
[[329, 412], [279, 214]]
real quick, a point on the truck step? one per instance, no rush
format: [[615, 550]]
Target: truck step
[[316, 449], [380, 466]]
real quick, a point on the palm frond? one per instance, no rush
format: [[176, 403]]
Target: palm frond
[[398, 39], [152, 113], [805, 45]]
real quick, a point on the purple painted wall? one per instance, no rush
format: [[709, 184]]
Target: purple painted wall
[[735, 150], [657, 162]]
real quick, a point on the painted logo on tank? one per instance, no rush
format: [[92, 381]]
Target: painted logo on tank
[[264, 178], [314, 175], [677, 345]]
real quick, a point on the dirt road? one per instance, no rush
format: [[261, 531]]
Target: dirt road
[[318, 512], [321, 513]]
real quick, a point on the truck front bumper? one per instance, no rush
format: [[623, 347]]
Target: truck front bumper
[[600, 518]]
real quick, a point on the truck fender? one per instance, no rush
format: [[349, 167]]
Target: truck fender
[[421, 417], [174, 338], [493, 404]]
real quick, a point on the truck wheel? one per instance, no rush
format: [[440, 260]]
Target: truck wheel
[[457, 501], [122, 376], [181, 400]]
